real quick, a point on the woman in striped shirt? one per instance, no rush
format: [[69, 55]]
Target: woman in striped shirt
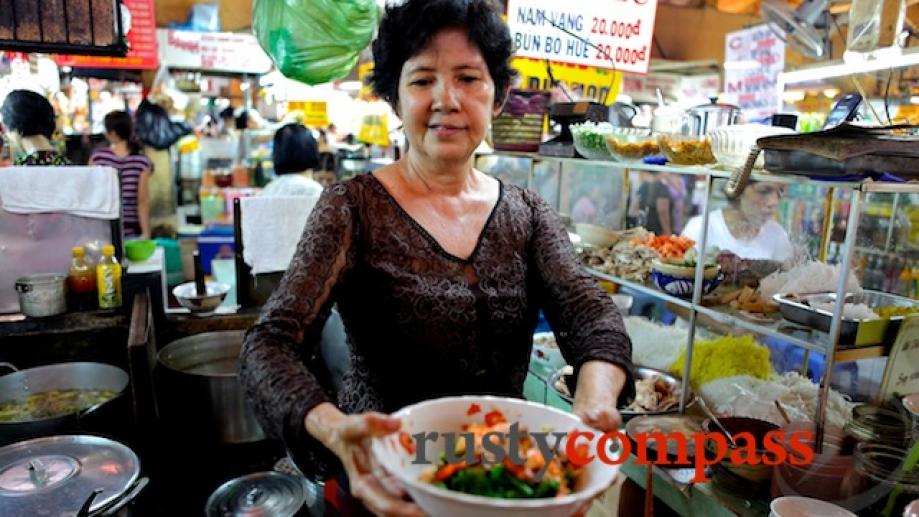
[[134, 171]]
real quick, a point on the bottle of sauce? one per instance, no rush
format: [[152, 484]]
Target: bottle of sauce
[[81, 281], [108, 279]]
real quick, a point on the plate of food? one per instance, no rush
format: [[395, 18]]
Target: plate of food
[[482, 486], [656, 392]]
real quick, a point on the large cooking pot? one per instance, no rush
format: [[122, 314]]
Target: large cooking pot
[[106, 417], [198, 391]]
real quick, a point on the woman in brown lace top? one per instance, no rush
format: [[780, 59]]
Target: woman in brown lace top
[[438, 270]]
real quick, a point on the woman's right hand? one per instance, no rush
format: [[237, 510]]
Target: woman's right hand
[[348, 437]]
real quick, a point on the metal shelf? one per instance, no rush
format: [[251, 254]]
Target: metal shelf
[[778, 329], [713, 171]]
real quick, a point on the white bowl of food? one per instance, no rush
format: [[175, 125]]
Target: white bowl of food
[[457, 491], [596, 235]]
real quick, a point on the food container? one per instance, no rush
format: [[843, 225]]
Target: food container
[[752, 474], [731, 145], [449, 415], [639, 372], [794, 506], [824, 476], [596, 235], [201, 305], [680, 281], [686, 150], [42, 294], [519, 126], [880, 426], [197, 381], [701, 120], [78, 475], [267, 494], [852, 332], [631, 145], [685, 425], [878, 481], [590, 139]]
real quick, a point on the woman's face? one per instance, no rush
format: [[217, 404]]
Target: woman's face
[[446, 98], [759, 202]]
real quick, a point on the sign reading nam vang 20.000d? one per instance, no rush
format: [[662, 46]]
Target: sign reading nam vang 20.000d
[[619, 30]]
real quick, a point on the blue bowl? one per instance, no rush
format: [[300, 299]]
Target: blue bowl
[[682, 287]]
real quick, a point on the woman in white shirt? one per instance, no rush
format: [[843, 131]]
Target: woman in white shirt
[[747, 227], [295, 155]]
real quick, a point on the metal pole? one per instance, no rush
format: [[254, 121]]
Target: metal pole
[[848, 252], [890, 225], [697, 293], [828, 209]]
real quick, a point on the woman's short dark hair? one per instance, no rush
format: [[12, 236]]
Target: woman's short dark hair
[[408, 28], [120, 123], [295, 150], [28, 113]]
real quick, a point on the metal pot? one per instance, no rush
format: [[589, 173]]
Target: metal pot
[[700, 120], [85, 476], [42, 294], [106, 418], [198, 390]]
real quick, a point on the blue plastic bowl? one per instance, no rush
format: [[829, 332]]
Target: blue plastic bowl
[[682, 287]]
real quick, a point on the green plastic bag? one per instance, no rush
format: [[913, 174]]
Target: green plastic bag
[[314, 41]]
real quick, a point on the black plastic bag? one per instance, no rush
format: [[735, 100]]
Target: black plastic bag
[[153, 126]]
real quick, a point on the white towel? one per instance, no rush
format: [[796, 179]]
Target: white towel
[[84, 191], [271, 228]]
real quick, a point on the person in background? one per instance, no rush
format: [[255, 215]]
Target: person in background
[[332, 133], [228, 122], [326, 174], [295, 155], [747, 226], [29, 121], [125, 155], [655, 205]]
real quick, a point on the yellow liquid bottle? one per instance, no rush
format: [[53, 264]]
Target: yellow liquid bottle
[[108, 279]]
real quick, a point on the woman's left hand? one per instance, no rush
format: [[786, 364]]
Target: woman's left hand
[[596, 395]]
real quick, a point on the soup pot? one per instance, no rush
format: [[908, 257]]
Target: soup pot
[[198, 390], [42, 295], [80, 475], [105, 417]]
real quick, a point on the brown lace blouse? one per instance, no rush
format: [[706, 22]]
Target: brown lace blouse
[[421, 323]]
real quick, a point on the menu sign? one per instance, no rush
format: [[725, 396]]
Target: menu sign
[[753, 59], [213, 51], [901, 375], [619, 32], [142, 52]]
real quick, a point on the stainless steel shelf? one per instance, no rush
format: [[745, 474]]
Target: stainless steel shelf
[[816, 341], [719, 173]]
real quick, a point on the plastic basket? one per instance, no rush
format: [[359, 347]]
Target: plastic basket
[[519, 126]]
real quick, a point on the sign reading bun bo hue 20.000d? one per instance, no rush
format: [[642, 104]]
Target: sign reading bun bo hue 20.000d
[[619, 30]]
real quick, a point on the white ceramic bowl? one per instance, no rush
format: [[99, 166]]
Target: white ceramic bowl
[[448, 415], [731, 144], [596, 235], [793, 506]]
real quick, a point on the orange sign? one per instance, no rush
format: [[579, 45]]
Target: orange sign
[[142, 53]]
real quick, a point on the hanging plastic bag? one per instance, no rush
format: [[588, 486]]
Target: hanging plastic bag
[[154, 127], [314, 41]]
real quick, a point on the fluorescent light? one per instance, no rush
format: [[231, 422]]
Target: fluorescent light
[[831, 93], [841, 69], [914, 100]]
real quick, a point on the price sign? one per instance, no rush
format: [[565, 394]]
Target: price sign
[[619, 32], [902, 373], [315, 113]]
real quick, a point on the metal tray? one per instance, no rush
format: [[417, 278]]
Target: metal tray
[[639, 372], [813, 165], [796, 308]]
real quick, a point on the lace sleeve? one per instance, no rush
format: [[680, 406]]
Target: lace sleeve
[[276, 350], [584, 318]]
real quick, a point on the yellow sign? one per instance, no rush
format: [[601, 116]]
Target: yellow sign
[[315, 113], [582, 82], [363, 75]]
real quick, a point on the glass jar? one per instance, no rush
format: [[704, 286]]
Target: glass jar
[[882, 489], [880, 426]]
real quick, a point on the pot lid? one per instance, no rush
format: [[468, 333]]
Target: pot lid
[[41, 278], [263, 494], [55, 475], [714, 106]]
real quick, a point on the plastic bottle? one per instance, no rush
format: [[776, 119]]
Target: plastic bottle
[[108, 279], [81, 281]]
